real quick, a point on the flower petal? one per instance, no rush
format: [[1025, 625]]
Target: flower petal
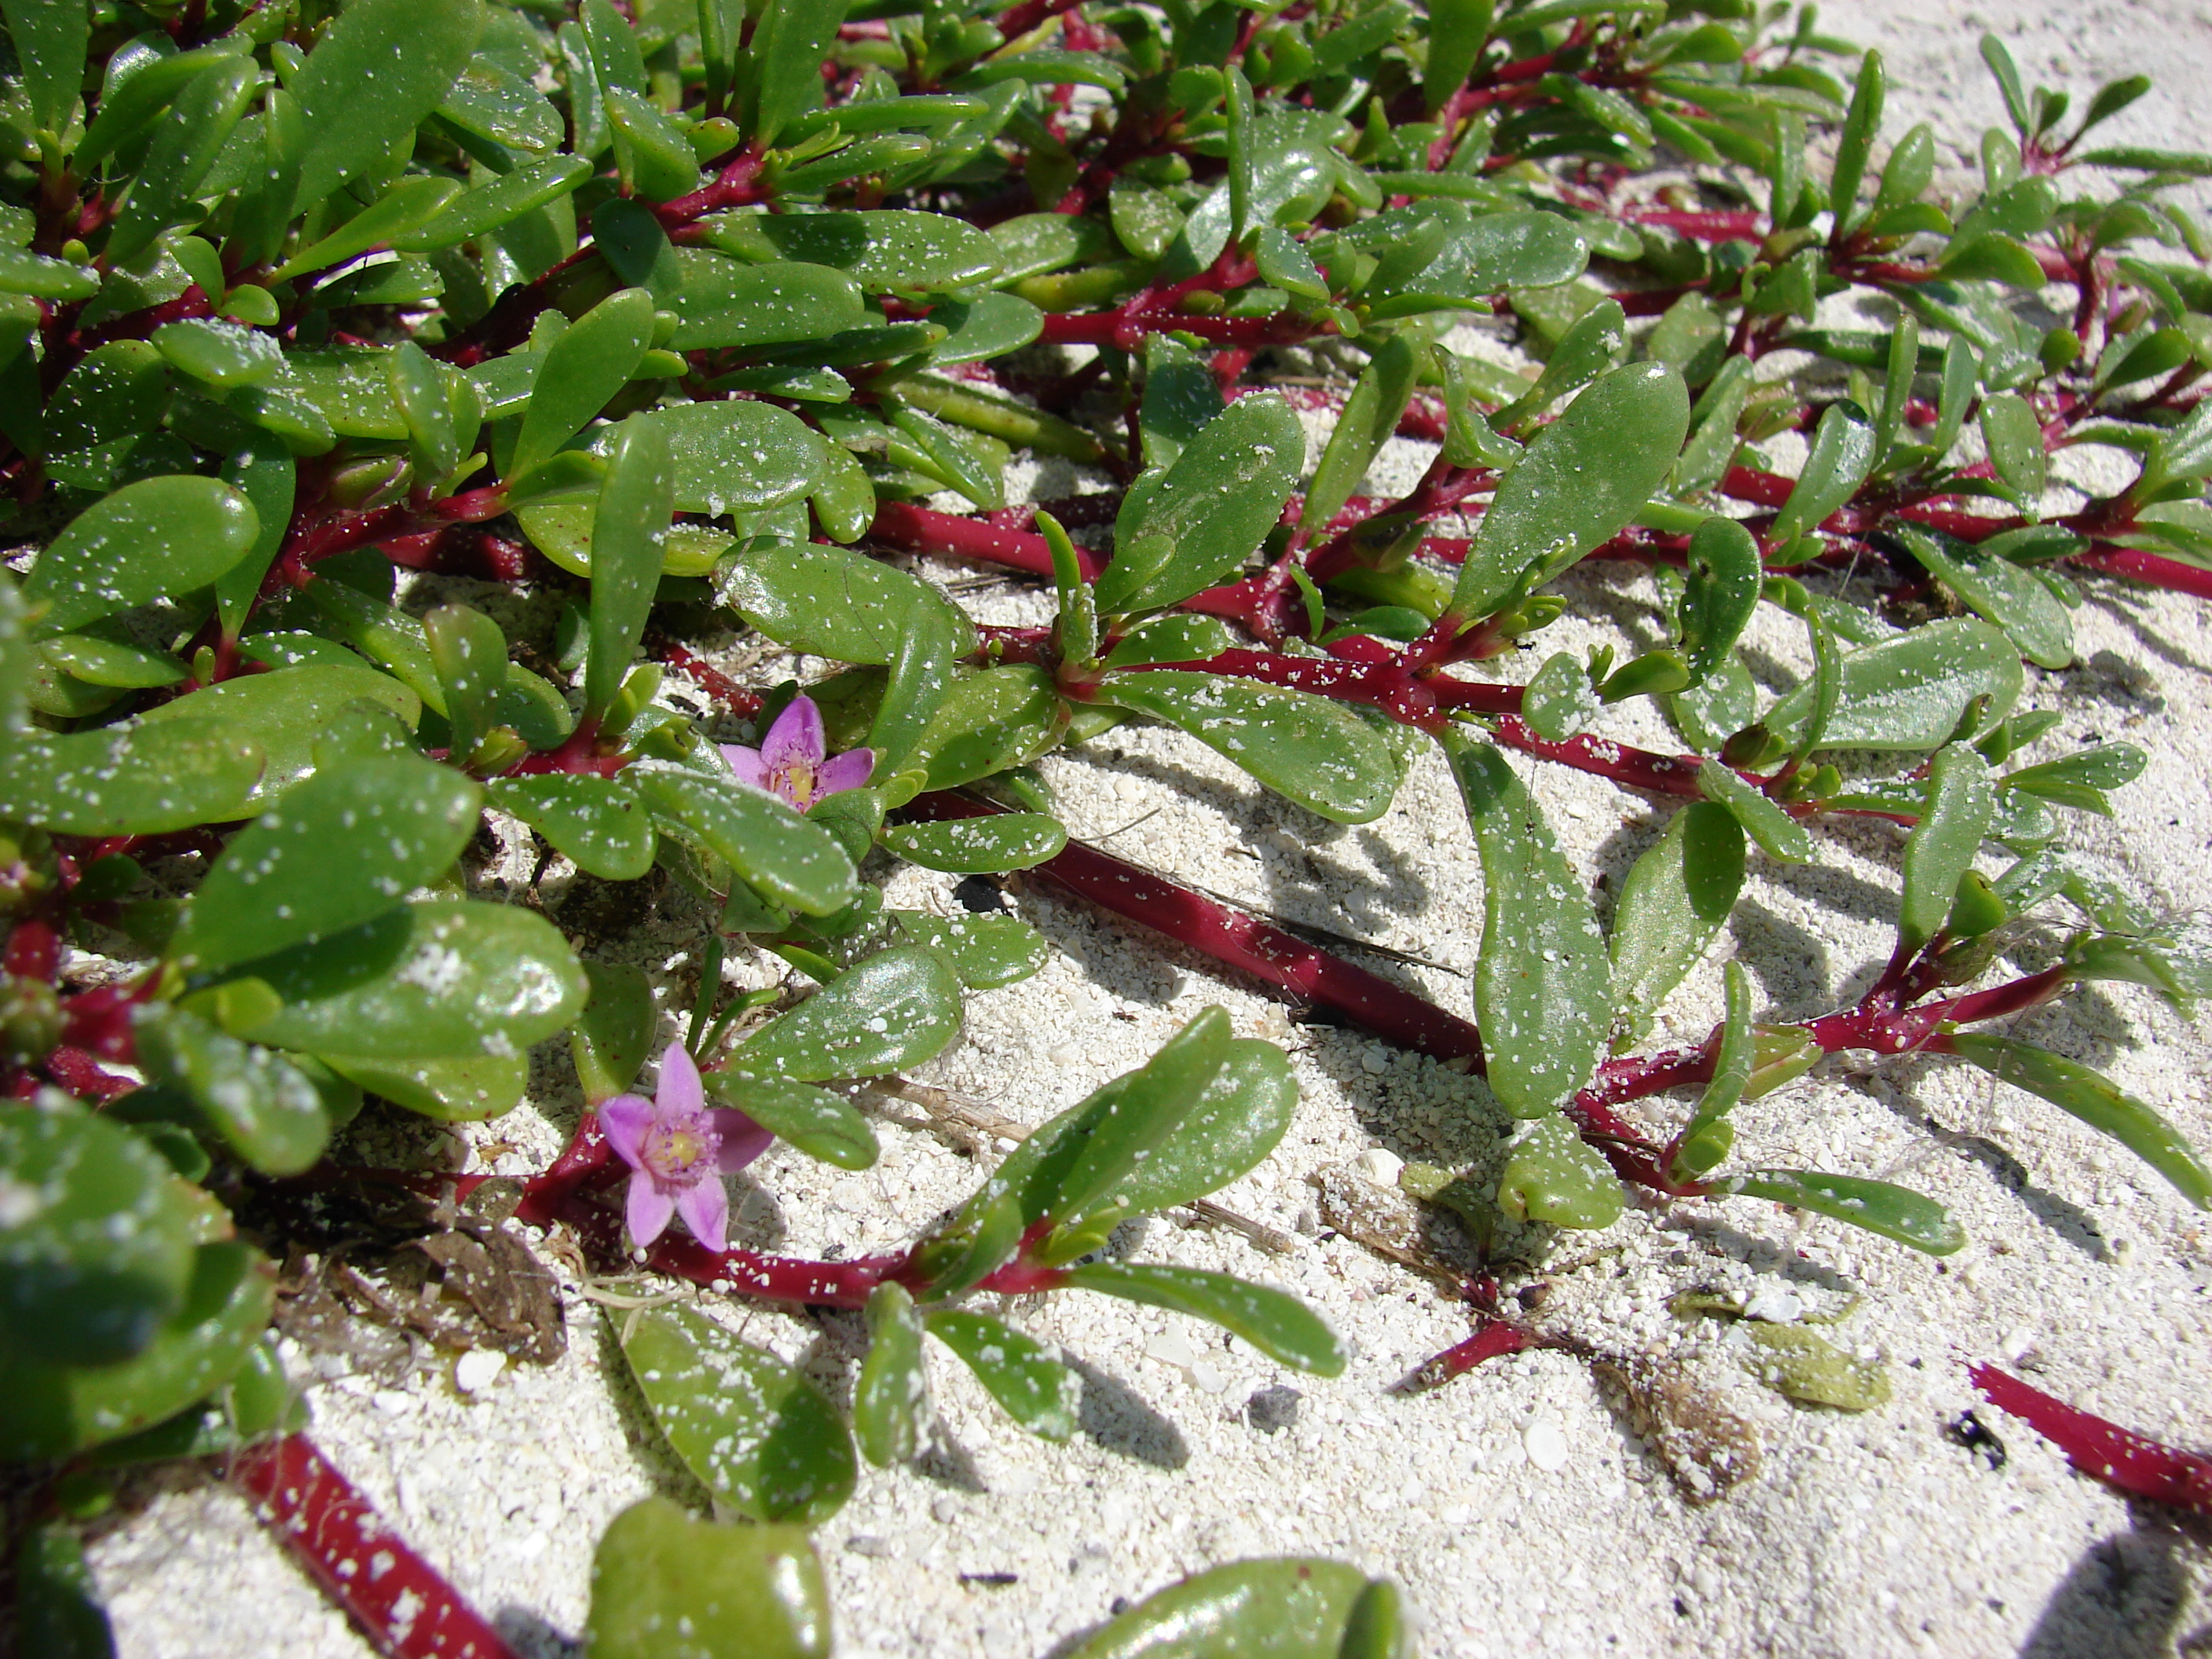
[[649, 1210], [743, 1139], [623, 1120], [747, 765], [847, 771], [705, 1210], [796, 736], [678, 1093]]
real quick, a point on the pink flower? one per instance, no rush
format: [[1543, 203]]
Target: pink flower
[[793, 763], [678, 1149]]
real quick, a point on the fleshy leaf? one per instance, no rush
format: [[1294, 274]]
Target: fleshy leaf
[[891, 1397], [1213, 507], [1284, 1607], [896, 1009], [2075, 1088], [1278, 1324], [1007, 841], [987, 951], [820, 1124], [76, 1290], [1941, 848], [1036, 1390], [667, 1586], [1895, 1213], [1914, 692], [437, 979], [270, 1114], [755, 1430], [599, 822], [342, 848], [150, 540], [1542, 990], [1672, 906], [1308, 748], [790, 859], [54, 1411], [1582, 478]]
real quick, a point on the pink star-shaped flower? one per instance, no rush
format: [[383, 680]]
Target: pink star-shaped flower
[[793, 763], [678, 1149]]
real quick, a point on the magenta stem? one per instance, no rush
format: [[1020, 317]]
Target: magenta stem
[[2121, 1459], [396, 1598]]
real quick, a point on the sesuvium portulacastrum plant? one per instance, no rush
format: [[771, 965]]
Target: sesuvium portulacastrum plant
[[673, 316]]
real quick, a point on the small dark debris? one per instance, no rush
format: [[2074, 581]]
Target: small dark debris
[[867, 1544], [1117, 1607], [994, 1579], [981, 894], [1533, 1296], [1968, 1431], [1682, 1608], [1271, 1410]]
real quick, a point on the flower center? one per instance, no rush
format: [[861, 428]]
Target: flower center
[[794, 781], [676, 1150]]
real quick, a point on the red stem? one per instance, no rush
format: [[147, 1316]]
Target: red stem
[[2121, 1458], [395, 1597]]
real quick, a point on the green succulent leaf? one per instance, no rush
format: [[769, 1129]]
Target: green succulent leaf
[[1283, 1607], [54, 1410], [150, 540], [2000, 591], [284, 713], [1008, 840], [343, 849], [379, 69], [140, 779], [667, 1586], [2096, 1101], [1961, 801], [987, 952], [1278, 1324], [1018, 1371], [436, 979], [600, 824], [1308, 748], [1895, 1213], [820, 1124], [788, 858], [1957, 677], [614, 1033], [896, 1009], [1542, 990], [1582, 478], [891, 1397], [262, 1106], [1672, 906], [78, 1289], [1211, 507], [757, 1433]]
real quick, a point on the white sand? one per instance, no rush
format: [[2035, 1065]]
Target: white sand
[[1515, 1506]]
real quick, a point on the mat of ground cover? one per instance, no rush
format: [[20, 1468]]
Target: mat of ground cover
[[1516, 1506]]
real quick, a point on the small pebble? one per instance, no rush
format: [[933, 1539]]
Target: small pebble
[[1171, 1348], [474, 1371], [1374, 1062], [1208, 1380], [1379, 1166], [1272, 1410], [1064, 1053], [867, 1544], [946, 1508], [1546, 1442], [1775, 1305], [392, 1403]]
